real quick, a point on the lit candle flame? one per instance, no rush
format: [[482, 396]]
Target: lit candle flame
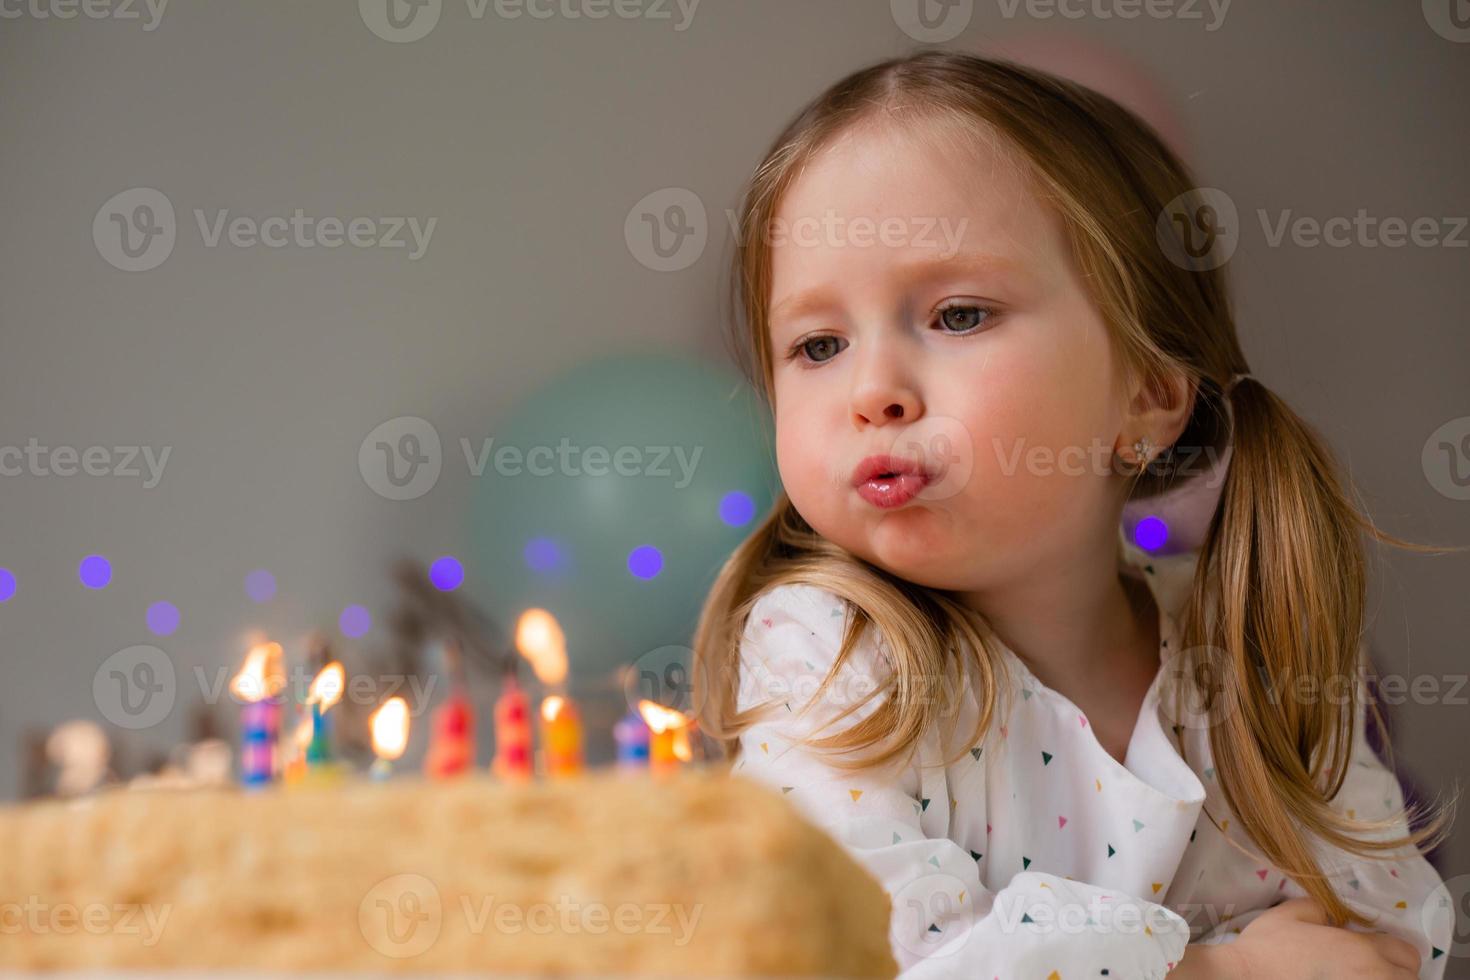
[[540, 640], [327, 688], [552, 706], [390, 729], [682, 749], [302, 736], [660, 719], [261, 676]]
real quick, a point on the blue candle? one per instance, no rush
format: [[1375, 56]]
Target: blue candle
[[632, 736]]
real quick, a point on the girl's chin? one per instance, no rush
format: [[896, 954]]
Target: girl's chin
[[911, 554]]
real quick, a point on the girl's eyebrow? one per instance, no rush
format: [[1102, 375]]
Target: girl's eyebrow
[[821, 298]]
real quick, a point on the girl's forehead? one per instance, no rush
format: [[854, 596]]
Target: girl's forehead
[[914, 169], [967, 151], [930, 184]]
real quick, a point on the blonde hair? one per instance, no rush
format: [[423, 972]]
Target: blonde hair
[[1279, 590]]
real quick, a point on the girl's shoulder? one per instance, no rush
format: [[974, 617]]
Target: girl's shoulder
[[797, 597], [788, 610], [795, 630]]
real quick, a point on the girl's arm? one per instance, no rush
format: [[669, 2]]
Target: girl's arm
[[1404, 894], [944, 922]]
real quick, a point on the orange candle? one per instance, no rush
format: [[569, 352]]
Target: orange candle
[[540, 640], [561, 736], [669, 745]]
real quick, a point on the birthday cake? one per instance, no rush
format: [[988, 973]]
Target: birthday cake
[[608, 874]]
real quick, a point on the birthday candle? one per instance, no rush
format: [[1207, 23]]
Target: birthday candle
[[452, 745], [668, 743], [631, 734], [390, 736], [294, 770], [540, 640], [512, 732], [326, 690], [451, 750], [561, 736], [259, 685]]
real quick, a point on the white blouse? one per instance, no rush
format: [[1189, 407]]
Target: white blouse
[[1038, 854]]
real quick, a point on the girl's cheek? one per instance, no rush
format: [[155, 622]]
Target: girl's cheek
[[791, 458]]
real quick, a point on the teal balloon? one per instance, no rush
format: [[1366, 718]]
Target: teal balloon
[[631, 452]]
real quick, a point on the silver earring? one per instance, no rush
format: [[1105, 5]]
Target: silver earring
[[1144, 448]]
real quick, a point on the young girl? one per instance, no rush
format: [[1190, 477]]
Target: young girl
[[981, 332]]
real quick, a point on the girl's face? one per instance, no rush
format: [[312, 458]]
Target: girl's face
[[933, 311]]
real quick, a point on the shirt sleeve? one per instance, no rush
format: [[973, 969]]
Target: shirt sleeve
[[944, 922], [1403, 892]]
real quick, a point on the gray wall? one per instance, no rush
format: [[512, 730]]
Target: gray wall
[[530, 140]]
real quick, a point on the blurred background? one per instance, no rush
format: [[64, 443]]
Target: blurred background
[[289, 292]]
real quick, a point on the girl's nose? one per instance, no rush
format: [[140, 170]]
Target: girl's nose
[[880, 402]]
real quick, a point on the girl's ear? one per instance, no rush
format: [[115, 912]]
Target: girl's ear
[[1160, 409]]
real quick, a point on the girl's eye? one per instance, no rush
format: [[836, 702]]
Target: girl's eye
[[955, 318], [960, 318], [818, 349]]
